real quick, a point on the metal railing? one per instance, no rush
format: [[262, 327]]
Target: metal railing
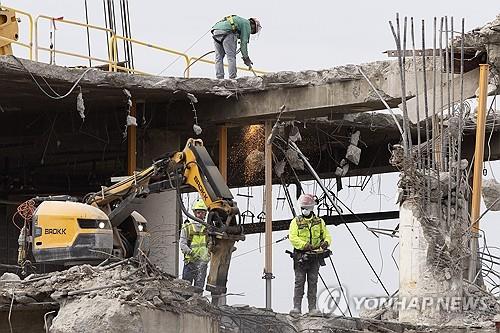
[[52, 20], [28, 45], [112, 60]]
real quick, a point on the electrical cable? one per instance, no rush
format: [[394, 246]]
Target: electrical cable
[[185, 51], [340, 285], [45, 92], [331, 296], [88, 32]]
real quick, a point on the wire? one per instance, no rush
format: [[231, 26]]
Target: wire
[[185, 51], [340, 285], [43, 90]]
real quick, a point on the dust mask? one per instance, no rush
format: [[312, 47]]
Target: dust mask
[[306, 212]]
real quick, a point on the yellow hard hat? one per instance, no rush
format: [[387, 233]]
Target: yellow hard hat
[[199, 205]]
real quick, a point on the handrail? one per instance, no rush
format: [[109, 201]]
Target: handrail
[[30, 45], [112, 60], [153, 46], [70, 22]]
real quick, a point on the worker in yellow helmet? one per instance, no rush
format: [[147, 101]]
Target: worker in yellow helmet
[[310, 238], [193, 244]]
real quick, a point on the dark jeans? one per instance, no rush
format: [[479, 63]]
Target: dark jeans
[[195, 271], [306, 271]]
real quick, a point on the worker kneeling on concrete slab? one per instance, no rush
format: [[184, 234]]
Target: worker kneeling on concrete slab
[[310, 239], [193, 243], [226, 33]]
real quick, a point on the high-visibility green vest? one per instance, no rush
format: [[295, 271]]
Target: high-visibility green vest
[[197, 241]]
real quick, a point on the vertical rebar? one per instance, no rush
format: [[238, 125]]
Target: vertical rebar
[[449, 117], [434, 120], [441, 111], [419, 138], [406, 143], [426, 109], [439, 125], [461, 113]]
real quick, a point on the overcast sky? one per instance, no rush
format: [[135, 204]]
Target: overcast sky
[[296, 35]]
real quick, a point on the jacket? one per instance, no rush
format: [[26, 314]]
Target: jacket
[[243, 30]]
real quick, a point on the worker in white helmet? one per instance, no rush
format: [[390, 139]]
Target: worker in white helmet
[[193, 244], [309, 237]]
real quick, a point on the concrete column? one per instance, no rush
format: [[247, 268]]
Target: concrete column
[[161, 210], [162, 213], [430, 280]]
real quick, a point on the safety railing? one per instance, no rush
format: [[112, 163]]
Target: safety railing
[[28, 45], [52, 20], [112, 60]]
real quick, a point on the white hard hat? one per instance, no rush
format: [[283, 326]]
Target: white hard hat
[[307, 201]]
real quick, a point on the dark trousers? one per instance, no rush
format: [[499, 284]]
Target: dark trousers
[[195, 271], [306, 271]]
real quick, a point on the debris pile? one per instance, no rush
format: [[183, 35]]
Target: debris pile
[[108, 298]]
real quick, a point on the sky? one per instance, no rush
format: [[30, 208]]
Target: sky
[[296, 35]]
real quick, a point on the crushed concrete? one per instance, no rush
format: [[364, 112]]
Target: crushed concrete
[[107, 299], [491, 194]]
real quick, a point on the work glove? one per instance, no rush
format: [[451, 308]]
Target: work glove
[[324, 245], [308, 247], [247, 61]]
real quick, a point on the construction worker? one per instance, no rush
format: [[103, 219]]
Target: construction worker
[[193, 243], [309, 237], [225, 33]]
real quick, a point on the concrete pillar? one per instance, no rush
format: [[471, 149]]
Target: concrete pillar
[[161, 210], [162, 213], [430, 279]]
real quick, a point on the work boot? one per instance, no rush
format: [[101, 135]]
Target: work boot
[[315, 313], [296, 311], [313, 310], [297, 307]]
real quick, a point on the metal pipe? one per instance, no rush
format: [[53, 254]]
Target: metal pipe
[[478, 167], [386, 105], [268, 268]]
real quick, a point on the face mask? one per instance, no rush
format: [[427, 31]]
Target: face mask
[[306, 212]]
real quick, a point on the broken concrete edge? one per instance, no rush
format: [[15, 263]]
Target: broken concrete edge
[[278, 80]]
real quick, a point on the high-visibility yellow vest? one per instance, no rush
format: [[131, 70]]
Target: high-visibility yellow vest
[[310, 231], [197, 241]]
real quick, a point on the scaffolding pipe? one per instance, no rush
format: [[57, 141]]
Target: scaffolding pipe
[[478, 168]]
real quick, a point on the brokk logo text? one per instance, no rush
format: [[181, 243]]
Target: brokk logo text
[[61, 231], [201, 189]]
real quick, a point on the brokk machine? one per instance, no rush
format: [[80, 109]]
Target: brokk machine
[[62, 230]]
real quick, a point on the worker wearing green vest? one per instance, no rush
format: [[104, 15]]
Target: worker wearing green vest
[[193, 243], [310, 239], [226, 33]]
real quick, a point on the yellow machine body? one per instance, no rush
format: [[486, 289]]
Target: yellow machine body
[[9, 30], [65, 232]]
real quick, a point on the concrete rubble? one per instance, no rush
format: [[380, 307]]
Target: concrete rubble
[[491, 194], [114, 298]]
